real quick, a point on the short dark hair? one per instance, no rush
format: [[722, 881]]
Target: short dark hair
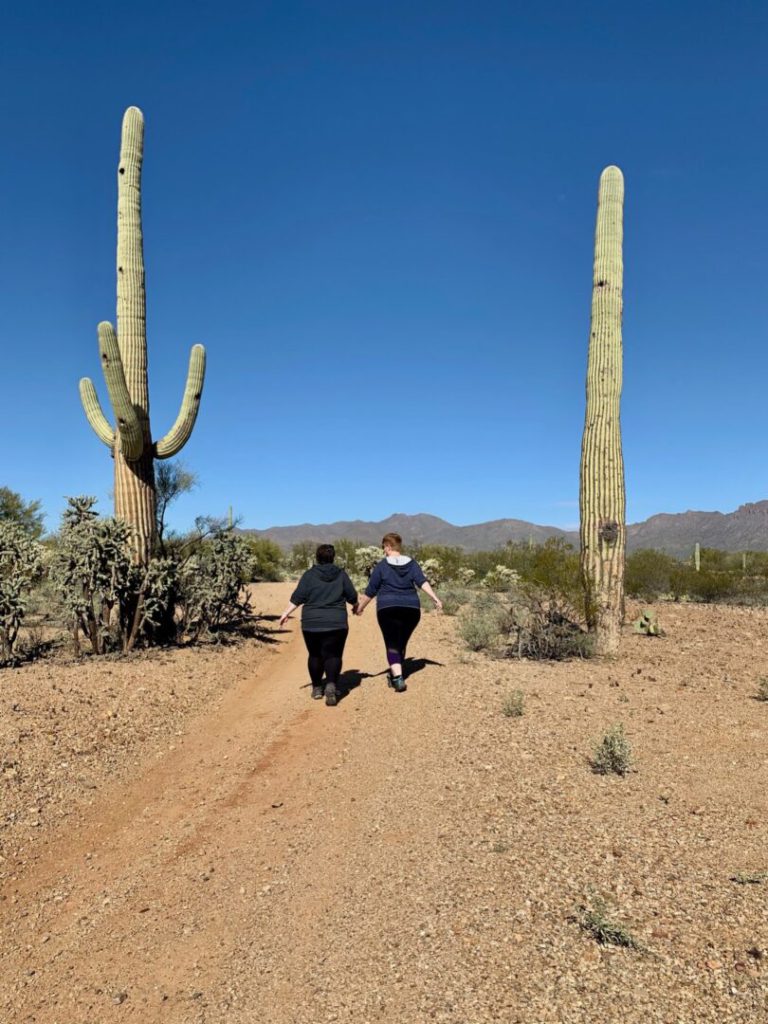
[[325, 554]]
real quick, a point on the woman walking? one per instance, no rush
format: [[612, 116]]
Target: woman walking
[[323, 591], [394, 583]]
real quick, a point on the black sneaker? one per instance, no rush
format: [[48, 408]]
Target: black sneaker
[[317, 692], [330, 695], [398, 684]]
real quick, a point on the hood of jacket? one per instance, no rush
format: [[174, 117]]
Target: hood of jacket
[[400, 563], [327, 573]]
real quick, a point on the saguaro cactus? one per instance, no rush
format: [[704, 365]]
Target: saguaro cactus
[[124, 362], [601, 492]]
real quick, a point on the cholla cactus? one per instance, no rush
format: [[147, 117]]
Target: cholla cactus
[[366, 559], [433, 570], [124, 362], [601, 493], [21, 565], [92, 571], [501, 578], [465, 576]]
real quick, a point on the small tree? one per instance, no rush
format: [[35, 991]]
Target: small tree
[[27, 514], [21, 564], [172, 479]]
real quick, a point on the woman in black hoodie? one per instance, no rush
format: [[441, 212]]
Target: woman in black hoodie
[[324, 591]]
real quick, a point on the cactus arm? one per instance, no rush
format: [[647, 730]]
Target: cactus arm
[[128, 425], [93, 411], [180, 432]]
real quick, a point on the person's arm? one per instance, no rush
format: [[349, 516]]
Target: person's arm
[[350, 594], [287, 613], [298, 597], [426, 586], [374, 585], [421, 581]]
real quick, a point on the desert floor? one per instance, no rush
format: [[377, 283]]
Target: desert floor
[[187, 837]]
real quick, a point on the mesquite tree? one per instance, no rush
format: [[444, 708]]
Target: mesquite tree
[[124, 362], [601, 491]]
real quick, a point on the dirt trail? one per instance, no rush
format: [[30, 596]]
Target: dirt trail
[[415, 858], [146, 907]]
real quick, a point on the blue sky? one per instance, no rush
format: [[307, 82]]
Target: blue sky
[[379, 220]]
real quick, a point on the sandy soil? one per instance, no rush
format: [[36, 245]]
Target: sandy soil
[[189, 838]]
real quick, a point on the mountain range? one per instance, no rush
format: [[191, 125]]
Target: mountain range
[[676, 533]]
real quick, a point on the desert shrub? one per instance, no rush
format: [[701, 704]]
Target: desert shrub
[[211, 582], [554, 569], [267, 558], [366, 559], [613, 754], [762, 689], [707, 586], [500, 578], [593, 919], [481, 625], [454, 599], [450, 559], [21, 565], [513, 705], [465, 575], [648, 574], [544, 626], [433, 570]]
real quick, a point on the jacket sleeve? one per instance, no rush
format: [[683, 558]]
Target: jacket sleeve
[[374, 583], [301, 593], [349, 589], [418, 575]]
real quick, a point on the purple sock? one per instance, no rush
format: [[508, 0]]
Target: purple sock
[[394, 657]]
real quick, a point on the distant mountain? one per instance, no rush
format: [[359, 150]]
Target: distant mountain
[[744, 529], [420, 529]]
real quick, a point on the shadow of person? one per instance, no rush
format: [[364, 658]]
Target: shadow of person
[[413, 665], [349, 680]]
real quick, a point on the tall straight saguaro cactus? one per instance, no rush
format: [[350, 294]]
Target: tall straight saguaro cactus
[[124, 362], [601, 491]]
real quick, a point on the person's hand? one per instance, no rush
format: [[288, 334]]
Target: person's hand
[[438, 606], [284, 618]]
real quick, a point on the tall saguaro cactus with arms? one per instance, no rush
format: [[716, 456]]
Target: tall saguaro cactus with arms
[[124, 362], [601, 491]]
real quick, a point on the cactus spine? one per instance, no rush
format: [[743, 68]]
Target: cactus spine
[[124, 363], [601, 490]]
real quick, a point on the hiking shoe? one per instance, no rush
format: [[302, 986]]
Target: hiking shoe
[[330, 695], [398, 684], [317, 692]]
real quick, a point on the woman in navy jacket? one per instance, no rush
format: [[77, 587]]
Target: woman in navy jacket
[[394, 583]]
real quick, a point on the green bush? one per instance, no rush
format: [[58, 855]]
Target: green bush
[[513, 705], [613, 754], [267, 558], [481, 625], [648, 574]]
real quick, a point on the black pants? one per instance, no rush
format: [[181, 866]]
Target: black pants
[[397, 625], [325, 652]]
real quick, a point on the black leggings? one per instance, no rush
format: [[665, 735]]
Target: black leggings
[[397, 625], [325, 652]]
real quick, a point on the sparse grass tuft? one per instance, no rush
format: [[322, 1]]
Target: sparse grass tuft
[[750, 877], [613, 754], [514, 704], [500, 846], [762, 688], [595, 922]]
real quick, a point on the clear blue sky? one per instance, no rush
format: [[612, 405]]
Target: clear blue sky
[[378, 218]]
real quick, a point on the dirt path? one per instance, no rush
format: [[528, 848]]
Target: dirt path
[[418, 858], [232, 842]]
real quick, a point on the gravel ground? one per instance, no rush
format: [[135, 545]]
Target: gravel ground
[[189, 838]]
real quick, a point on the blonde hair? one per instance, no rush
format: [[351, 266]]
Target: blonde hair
[[392, 540]]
